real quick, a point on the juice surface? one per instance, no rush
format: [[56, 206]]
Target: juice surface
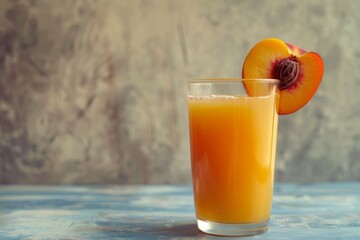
[[233, 142]]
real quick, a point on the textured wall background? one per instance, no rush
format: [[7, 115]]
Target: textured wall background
[[95, 91]]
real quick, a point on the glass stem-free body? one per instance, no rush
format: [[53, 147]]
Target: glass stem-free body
[[233, 145]]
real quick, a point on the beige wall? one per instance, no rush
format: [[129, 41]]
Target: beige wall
[[95, 91]]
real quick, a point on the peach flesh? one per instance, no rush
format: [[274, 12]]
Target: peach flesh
[[271, 58]]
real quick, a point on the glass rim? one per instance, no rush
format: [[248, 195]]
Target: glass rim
[[232, 80]]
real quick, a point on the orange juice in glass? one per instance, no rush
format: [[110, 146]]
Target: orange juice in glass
[[233, 145]]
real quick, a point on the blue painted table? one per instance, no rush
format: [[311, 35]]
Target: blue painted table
[[319, 211]]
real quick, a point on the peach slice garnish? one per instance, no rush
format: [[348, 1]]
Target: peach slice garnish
[[299, 71]]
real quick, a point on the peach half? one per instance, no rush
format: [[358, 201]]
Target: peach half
[[299, 71]]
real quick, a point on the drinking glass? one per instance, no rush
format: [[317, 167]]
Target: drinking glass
[[233, 129]]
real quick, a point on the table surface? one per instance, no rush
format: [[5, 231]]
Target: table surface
[[316, 211]]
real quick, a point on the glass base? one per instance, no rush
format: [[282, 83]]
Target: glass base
[[230, 229]]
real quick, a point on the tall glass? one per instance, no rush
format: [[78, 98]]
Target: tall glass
[[233, 130]]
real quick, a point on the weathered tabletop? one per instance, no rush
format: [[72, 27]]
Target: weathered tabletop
[[320, 211]]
